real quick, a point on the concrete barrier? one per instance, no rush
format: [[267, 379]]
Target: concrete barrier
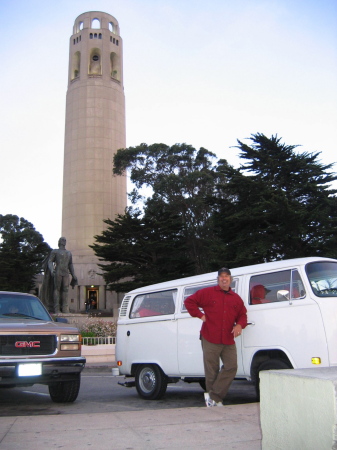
[[99, 353], [298, 409]]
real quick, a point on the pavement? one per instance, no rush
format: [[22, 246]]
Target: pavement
[[228, 427]]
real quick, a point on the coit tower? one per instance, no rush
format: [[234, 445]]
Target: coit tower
[[94, 131]]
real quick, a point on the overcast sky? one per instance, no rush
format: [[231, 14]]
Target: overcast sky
[[202, 72]]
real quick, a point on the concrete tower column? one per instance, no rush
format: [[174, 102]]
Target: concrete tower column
[[94, 131]]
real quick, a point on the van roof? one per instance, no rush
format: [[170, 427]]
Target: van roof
[[256, 268]]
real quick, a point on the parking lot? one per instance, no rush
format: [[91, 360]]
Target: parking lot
[[100, 392]]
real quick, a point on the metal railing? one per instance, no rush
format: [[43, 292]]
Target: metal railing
[[98, 340]]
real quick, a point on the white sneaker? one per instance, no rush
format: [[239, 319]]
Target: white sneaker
[[209, 402]]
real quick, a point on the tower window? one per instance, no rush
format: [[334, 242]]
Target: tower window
[[74, 41], [95, 62], [100, 36], [111, 27], [76, 63], [96, 24], [81, 26], [91, 36], [116, 41], [95, 36]]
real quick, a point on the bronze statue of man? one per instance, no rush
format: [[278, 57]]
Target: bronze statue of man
[[60, 265]]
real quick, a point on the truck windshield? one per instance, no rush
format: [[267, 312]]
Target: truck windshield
[[23, 306], [323, 278]]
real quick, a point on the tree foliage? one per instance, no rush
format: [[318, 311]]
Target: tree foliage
[[202, 213], [182, 180], [141, 249], [277, 205], [22, 250]]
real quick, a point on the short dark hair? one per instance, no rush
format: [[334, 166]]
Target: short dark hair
[[224, 270]]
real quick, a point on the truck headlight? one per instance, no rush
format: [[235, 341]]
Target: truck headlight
[[70, 341], [70, 338]]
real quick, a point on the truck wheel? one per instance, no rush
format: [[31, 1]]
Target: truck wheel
[[269, 364], [65, 391], [151, 382]]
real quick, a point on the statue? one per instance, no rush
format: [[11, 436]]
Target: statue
[[60, 265]]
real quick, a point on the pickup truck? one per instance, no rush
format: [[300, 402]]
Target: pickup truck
[[35, 349]]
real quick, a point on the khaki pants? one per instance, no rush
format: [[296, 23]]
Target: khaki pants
[[218, 382]]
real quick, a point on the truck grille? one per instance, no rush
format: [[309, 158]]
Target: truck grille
[[27, 345]]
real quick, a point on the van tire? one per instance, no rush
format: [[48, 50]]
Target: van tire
[[151, 382], [269, 364]]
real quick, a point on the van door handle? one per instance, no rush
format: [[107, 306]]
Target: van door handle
[[251, 323]]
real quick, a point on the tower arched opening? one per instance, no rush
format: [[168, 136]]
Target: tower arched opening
[[76, 64], [96, 24], [114, 66], [95, 62]]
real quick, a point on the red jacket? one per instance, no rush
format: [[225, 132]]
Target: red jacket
[[222, 311]]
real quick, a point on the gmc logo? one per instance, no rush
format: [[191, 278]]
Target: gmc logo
[[32, 344]]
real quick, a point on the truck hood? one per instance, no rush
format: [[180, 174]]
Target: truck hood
[[12, 325]]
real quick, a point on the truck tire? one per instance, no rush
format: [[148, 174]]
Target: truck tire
[[269, 364], [65, 391], [151, 382]]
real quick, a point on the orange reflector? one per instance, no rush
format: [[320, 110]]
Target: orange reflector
[[316, 360], [119, 363]]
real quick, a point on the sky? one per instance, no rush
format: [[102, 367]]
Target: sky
[[195, 72]]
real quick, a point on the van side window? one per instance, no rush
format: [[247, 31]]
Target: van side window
[[276, 287], [191, 290], [154, 304]]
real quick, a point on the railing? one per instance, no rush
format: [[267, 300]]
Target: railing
[[98, 340]]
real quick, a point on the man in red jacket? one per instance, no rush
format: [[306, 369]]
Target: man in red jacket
[[224, 316]]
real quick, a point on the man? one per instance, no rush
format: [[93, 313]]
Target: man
[[224, 316], [60, 264]]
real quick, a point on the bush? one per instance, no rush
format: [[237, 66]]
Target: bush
[[97, 327]]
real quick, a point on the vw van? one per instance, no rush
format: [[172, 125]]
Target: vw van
[[292, 323]]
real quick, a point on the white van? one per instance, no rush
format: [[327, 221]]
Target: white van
[[292, 323]]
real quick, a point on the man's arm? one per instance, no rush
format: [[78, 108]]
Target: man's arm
[[192, 304], [51, 262], [71, 267]]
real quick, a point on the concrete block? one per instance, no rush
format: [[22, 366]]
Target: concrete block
[[298, 409]]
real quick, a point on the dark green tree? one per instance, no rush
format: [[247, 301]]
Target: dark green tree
[[141, 249], [182, 182], [22, 250], [277, 205]]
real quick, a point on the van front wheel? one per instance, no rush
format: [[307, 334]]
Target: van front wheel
[[151, 382]]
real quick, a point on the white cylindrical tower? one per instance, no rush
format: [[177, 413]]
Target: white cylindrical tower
[[94, 131]]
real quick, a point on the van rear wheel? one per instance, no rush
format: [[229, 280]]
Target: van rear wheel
[[269, 364], [151, 382]]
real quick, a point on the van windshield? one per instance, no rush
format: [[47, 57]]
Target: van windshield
[[323, 278]]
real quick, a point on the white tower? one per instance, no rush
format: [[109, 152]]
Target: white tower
[[94, 131]]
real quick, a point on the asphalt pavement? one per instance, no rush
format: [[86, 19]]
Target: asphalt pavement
[[227, 427]]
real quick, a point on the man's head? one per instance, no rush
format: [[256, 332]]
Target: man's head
[[62, 242], [224, 278]]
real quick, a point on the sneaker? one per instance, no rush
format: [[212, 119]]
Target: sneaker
[[209, 402]]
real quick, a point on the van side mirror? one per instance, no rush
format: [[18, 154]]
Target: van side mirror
[[283, 295]]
